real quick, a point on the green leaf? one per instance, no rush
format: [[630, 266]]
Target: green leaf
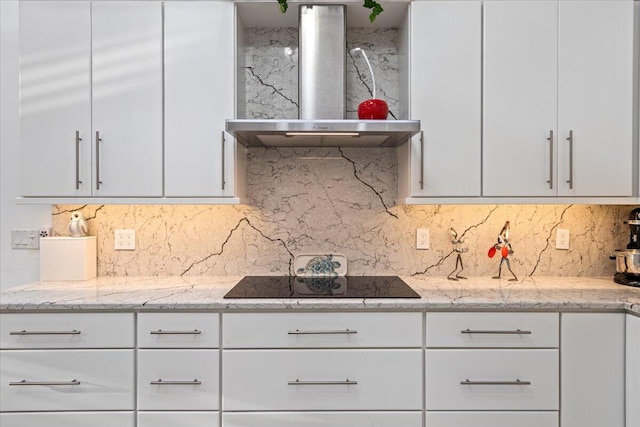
[[376, 8], [282, 4]]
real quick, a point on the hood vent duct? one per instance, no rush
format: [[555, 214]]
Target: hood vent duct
[[322, 55]]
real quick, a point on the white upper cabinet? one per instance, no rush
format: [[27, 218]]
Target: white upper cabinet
[[55, 98], [127, 98], [558, 91], [445, 71], [91, 98], [520, 98], [595, 98], [199, 93]]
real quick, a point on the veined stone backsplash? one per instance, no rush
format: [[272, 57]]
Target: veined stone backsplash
[[272, 71], [331, 200]]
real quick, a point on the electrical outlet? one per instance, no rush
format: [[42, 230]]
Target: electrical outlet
[[125, 240], [25, 239], [562, 238], [422, 238]]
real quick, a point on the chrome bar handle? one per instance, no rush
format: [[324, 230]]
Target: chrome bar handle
[[570, 180], [516, 382], [422, 160], [78, 139], [345, 382], [495, 332], [161, 382], [550, 139], [98, 141], [325, 332], [23, 332], [161, 332], [25, 382], [223, 161]]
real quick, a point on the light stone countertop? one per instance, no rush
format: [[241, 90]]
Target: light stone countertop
[[437, 293]]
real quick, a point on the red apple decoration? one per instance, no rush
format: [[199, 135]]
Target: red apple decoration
[[373, 109]]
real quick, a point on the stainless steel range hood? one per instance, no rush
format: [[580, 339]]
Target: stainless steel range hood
[[322, 95]]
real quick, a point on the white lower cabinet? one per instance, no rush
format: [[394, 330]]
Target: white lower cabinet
[[178, 419], [492, 419], [492, 380], [593, 370], [323, 419], [633, 371], [66, 380], [255, 380], [178, 380], [69, 419]]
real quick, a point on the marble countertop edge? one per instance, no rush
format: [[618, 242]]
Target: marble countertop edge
[[205, 293]]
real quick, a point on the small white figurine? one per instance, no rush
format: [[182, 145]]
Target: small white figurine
[[77, 225]]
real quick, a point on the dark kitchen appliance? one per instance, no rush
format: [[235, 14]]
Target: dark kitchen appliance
[[628, 261], [321, 287]]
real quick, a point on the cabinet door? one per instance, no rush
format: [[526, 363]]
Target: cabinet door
[[127, 98], [520, 98], [199, 83], [55, 98], [633, 371], [445, 97], [595, 96], [592, 369]]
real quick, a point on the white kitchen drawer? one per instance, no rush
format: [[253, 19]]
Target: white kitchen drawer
[[492, 330], [67, 330], [492, 419], [178, 330], [300, 330], [446, 369], [68, 419], [178, 419], [260, 380], [106, 380], [323, 419], [185, 366]]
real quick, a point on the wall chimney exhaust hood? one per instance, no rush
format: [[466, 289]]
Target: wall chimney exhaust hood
[[322, 54]]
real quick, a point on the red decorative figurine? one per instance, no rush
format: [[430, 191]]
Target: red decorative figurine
[[371, 109]]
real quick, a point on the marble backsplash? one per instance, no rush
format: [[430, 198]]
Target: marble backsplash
[[341, 200], [272, 71]]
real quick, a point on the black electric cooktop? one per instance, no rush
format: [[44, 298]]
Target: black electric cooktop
[[321, 287]]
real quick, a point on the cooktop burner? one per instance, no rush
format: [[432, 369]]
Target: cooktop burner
[[321, 287]]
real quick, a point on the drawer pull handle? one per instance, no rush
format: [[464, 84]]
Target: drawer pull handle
[[345, 382], [161, 382], [25, 382], [345, 332], [516, 332], [23, 332], [161, 332], [516, 382]]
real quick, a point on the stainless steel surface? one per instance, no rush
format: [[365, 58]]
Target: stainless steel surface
[[322, 55], [345, 332], [570, 180], [223, 160], [422, 160], [74, 332], [516, 382], [628, 261], [317, 133], [25, 382], [161, 332], [516, 332], [161, 382], [345, 382], [78, 139], [98, 141], [550, 139]]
